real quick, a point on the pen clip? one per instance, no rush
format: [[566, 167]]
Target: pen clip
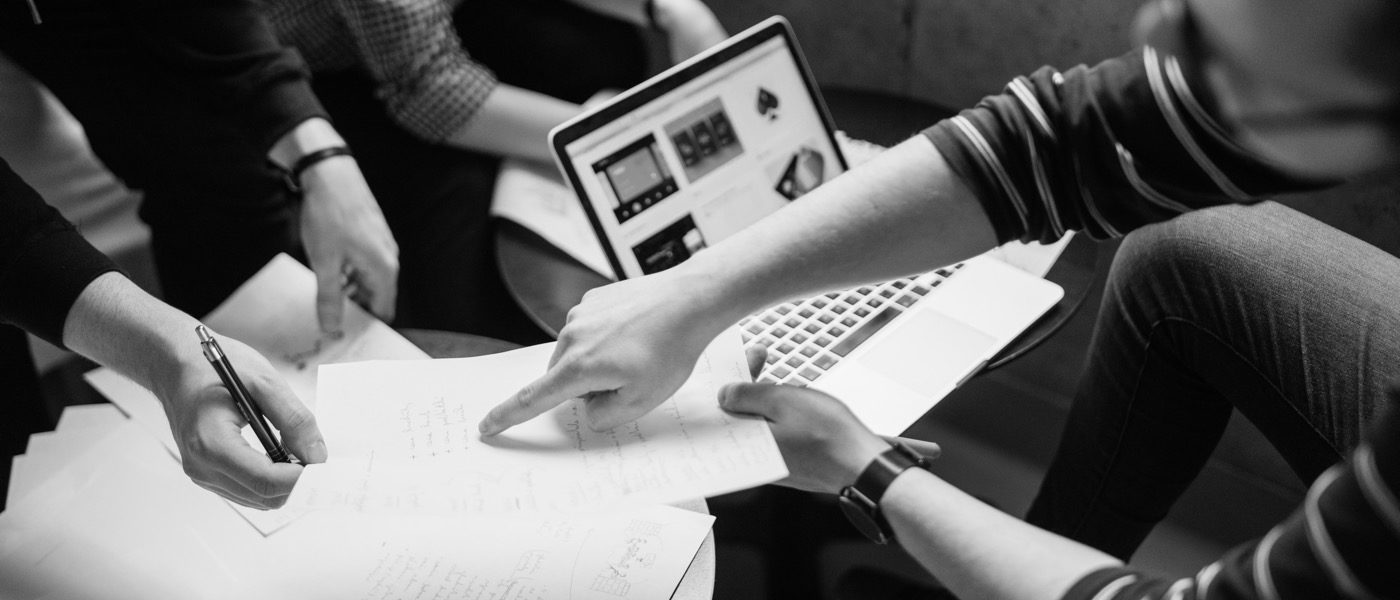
[[211, 348], [34, 12]]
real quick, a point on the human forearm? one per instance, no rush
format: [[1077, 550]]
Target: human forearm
[[978, 551], [690, 25], [903, 212], [514, 122], [632, 11], [118, 325], [347, 240], [45, 264], [631, 344], [306, 137]]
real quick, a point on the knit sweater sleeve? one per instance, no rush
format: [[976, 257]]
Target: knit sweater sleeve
[[44, 263]]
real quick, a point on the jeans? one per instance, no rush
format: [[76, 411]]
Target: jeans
[[1256, 308]]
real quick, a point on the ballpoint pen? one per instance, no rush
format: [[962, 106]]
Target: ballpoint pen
[[244, 401]]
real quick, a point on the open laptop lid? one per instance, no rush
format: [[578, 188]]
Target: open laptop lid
[[700, 151]]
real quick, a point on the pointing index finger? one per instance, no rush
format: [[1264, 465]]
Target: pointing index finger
[[329, 297], [559, 384]]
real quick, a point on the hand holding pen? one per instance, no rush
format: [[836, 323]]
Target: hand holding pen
[[207, 425], [247, 406]]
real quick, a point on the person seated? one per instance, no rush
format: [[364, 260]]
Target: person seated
[[432, 94], [55, 285], [1228, 103], [1342, 543]]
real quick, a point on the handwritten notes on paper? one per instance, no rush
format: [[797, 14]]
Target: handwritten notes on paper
[[642, 555], [118, 521], [403, 439], [275, 313]]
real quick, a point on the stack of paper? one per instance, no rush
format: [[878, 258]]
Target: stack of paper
[[403, 439], [274, 312], [100, 508], [97, 510]]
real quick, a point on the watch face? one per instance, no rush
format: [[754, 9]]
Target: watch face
[[861, 514]]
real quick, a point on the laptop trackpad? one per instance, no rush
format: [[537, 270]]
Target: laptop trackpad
[[928, 351]]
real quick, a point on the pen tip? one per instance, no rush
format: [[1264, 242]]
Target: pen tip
[[203, 333]]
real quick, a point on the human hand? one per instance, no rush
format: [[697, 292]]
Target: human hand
[[626, 348], [690, 26], [208, 427], [347, 242], [824, 445]]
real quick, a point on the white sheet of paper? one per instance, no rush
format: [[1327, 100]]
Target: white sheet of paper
[[642, 554], [274, 312], [111, 525], [145, 409], [121, 522], [89, 416], [23, 479], [403, 439], [534, 196], [79, 427], [1035, 259]]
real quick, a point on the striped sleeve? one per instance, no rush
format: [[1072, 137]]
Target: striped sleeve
[[1344, 542], [1101, 150]]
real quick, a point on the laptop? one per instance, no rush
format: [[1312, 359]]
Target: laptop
[[733, 135]]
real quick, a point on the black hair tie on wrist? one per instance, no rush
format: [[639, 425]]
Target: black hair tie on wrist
[[292, 176]]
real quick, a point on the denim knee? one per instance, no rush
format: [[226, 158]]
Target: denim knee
[[1234, 256]]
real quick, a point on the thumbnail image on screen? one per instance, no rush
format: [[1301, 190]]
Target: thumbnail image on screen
[[670, 246], [704, 139], [637, 176], [804, 171]]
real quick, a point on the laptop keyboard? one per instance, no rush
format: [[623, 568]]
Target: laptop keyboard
[[806, 338]]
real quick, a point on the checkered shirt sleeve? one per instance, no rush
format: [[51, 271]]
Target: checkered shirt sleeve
[[423, 75]]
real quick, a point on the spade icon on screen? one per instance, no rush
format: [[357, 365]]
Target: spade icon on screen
[[767, 104]]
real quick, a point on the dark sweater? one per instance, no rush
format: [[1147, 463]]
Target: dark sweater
[[44, 263]]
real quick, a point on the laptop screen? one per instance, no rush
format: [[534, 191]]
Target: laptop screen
[[701, 151]]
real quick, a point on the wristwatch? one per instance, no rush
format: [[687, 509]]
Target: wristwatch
[[860, 502]]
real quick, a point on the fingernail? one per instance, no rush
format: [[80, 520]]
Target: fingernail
[[318, 453], [725, 393], [487, 428]]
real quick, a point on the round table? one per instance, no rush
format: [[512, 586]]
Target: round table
[[699, 580]]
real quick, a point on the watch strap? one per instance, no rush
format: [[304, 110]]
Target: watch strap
[[880, 473], [861, 501]]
